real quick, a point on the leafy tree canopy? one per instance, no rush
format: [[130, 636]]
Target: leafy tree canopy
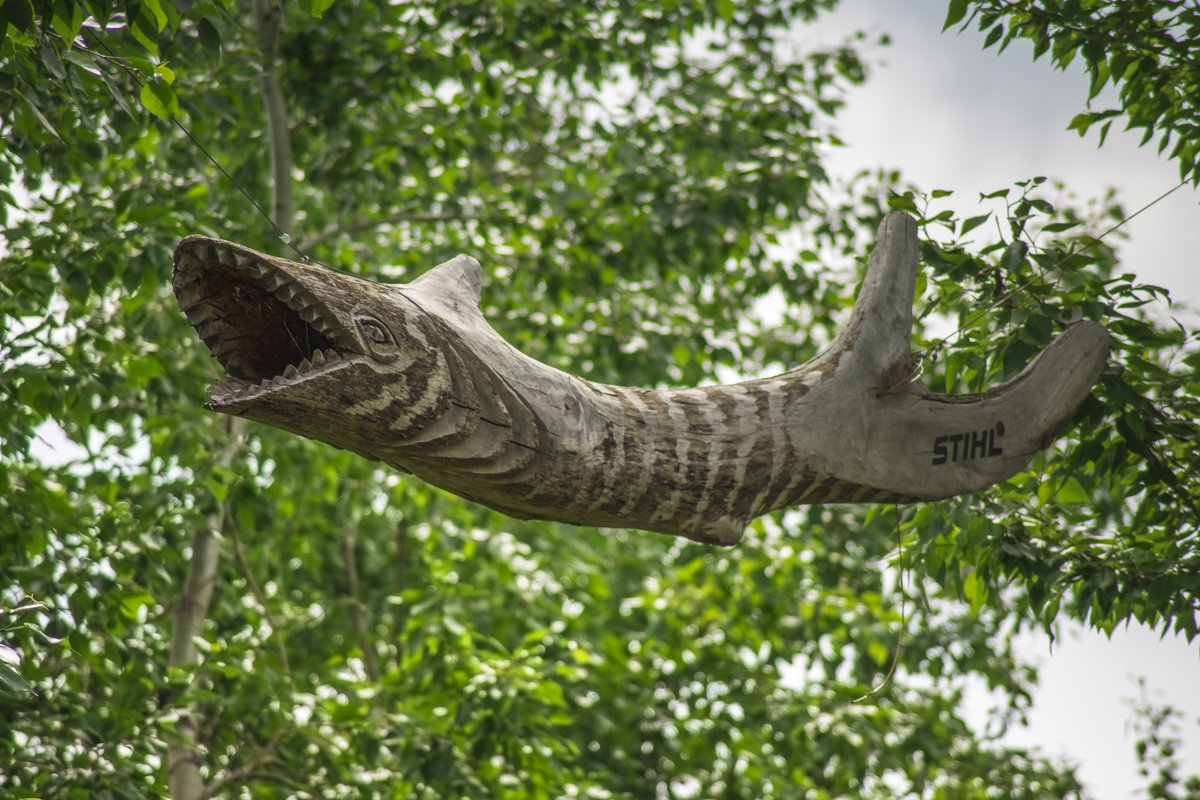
[[1146, 49], [626, 172]]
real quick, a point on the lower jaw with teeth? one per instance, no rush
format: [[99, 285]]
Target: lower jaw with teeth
[[232, 389], [318, 359]]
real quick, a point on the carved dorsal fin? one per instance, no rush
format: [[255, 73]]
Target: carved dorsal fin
[[879, 333], [456, 282]]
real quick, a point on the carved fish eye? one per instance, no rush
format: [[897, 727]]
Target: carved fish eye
[[376, 337]]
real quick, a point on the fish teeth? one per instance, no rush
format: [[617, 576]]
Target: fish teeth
[[291, 372], [309, 314], [249, 265], [318, 358], [207, 328], [226, 256], [272, 280], [221, 348], [286, 292], [201, 316], [189, 296], [200, 251]]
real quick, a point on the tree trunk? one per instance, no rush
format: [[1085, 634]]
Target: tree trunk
[[185, 780]]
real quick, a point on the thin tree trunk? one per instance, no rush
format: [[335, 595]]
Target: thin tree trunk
[[185, 779], [282, 203]]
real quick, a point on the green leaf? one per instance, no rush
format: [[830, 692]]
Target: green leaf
[[971, 223], [11, 680], [68, 19], [146, 22], [142, 370], [993, 36], [158, 98], [974, 590], [53, 63], [117, 93], [210, 37], [1072, 491], [317, 8], [955, 13], [1081, 122], [18, 13], [38, 115], [83, 60], [879, 652], [153, 10]]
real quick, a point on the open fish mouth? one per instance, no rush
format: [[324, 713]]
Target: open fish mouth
[[263, 327]]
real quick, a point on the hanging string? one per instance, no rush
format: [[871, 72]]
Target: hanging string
[[133, 73], [903, 617]]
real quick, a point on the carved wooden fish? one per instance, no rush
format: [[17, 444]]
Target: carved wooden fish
[[412, 375]]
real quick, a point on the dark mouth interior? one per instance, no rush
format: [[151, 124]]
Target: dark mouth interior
[[256, 336]]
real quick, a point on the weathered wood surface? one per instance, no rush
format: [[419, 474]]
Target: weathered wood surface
[[413, 375]]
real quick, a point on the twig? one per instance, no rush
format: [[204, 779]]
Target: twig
[[257, 591], [247, 770], [358, 609], [903, 619]]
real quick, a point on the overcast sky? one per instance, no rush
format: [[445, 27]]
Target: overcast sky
[[951, 116]]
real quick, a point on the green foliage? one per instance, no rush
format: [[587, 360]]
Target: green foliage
[[1105, 525], [1146, 49], [1157, 749], [626, 188]]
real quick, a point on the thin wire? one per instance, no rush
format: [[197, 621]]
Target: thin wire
[[284, 237], [287, 239], [929, 350], [1041, 273], [912, 375], [903, 618]]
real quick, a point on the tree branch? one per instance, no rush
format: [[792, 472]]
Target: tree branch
[[250, 768], [359, 613]]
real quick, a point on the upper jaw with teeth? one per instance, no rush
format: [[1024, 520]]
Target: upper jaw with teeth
[[262, 326]]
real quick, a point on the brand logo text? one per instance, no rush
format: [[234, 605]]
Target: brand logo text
[[955, 447]]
